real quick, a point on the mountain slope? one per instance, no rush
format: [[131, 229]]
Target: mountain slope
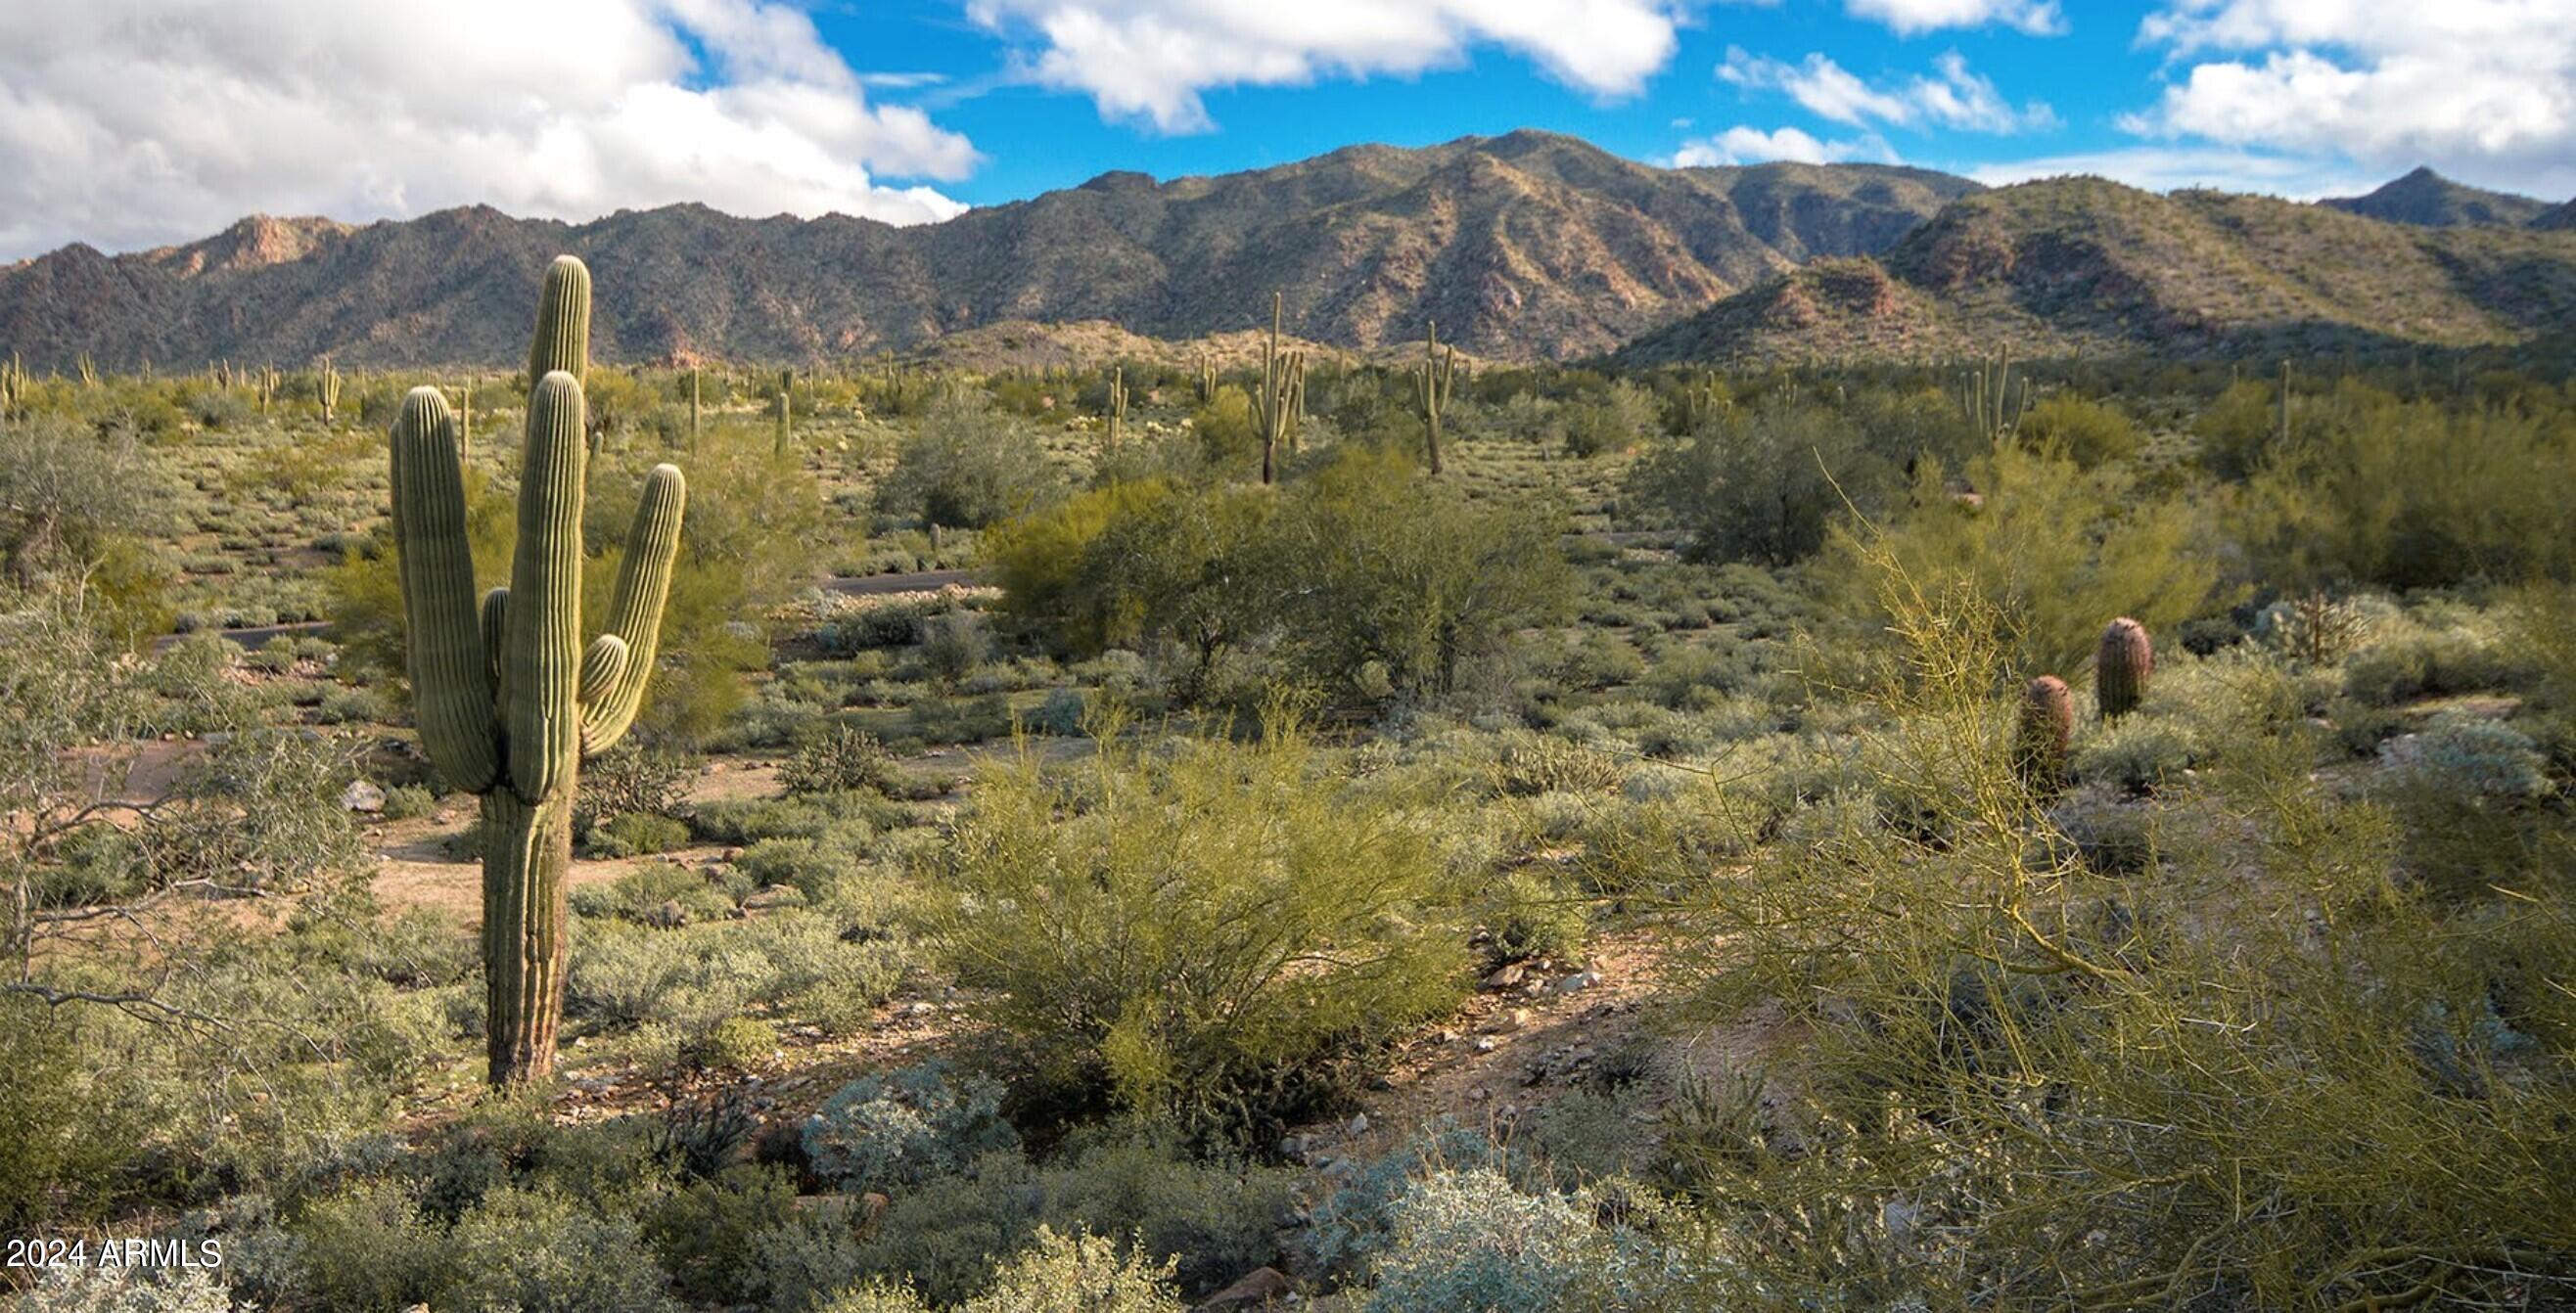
[[1528, 244], [2082, 263], [2429, 200], [2557, 218]]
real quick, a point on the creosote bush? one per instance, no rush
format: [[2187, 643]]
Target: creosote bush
[[1176, 930]]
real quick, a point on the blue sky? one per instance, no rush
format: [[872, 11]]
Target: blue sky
[[1997, 89], [133, 123]]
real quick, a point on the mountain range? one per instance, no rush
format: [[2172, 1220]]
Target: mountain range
[[1526, 245]]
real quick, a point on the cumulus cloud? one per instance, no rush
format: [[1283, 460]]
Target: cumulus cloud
[[2037, 17], [2482, 89], [1749, 145], [1951, 97], [130, 123], [1149, 60]]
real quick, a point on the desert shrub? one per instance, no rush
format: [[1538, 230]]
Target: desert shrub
[[1532, 918], [954, 644], [126, 1290], [840, 760], [585, 1261], [631, 781], [635, 834], [2372, 490], [1119, 938], [1466, 1239], [409, 802], [2469, 757], [2080, 429], [367, 1247], [706, 1233], [733, 1042], [886, 1132], [966, 466], [2139, 753], [643, 895], [2049, 552], [1077, 1273], [808, 866], [1533, 764], [1761, 484], [1228, 438], [2405, 660], [1404, 572], [625, 976], [1613, 421]]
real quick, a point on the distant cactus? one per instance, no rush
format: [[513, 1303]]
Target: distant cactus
[[694, 409], [1117, 406], [327, 388], [507, 699], [1282, 399], [1993, 405], [2281, 424], [2040, 735], [265, 382], [1431, 382], [786, 418], [465, 415], [2122, 666], [1204, 385], [13, 386]]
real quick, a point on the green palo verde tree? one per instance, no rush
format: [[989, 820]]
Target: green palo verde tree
[[508, 699]]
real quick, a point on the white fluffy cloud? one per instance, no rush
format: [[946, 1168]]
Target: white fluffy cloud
[[1748, 145], [1951, 97], [129, 123], [1148, 60], [2037, 17], [2482, 89]]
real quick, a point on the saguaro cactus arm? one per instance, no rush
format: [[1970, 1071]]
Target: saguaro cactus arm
[[635, 612], [447, 661]]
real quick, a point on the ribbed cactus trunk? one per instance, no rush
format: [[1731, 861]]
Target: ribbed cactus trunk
[[527, 862], [508, 700]]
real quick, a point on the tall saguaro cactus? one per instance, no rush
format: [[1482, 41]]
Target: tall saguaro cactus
[[1283, 395], [1117, 408], [1431, 390], [786, 419], [508, 699]]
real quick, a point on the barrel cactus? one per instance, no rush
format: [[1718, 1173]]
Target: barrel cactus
[[2045, 726], [507, 697], [2121, 668]]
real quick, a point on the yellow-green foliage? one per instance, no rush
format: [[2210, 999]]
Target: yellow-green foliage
[[2279, 1074], [1226, 432], [1169, 925], [2373, 490], [2049, 548], [2082, 430]]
